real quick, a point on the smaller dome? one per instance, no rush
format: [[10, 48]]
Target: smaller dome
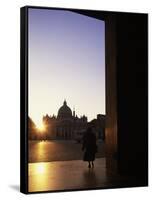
[[64, 112]]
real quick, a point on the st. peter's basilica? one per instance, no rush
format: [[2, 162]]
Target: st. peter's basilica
[[66, 125]]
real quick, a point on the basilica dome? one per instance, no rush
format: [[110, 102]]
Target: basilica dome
[[64, 112]]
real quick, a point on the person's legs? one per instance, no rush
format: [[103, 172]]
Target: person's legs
[[89, 164], [92, 164]]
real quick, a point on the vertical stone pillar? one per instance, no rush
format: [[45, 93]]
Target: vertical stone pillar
[[111, 100]]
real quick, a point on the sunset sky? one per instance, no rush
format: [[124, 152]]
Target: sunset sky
[[66, 61]]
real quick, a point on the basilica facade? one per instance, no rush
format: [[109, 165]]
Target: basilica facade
[[66, 125]]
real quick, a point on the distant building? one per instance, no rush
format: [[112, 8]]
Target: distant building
[[98, 126], [66, 125], [31, 129]]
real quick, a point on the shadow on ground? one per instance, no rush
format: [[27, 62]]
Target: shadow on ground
[[15, 187]]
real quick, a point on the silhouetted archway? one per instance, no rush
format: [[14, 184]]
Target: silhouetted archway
[[126, 95]]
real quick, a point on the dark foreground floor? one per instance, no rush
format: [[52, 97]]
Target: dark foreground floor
[[71, 175], [59, 150], [65, 175]]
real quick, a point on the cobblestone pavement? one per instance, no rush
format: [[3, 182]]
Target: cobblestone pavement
[[65, 175], [73, 175], [59, 150]]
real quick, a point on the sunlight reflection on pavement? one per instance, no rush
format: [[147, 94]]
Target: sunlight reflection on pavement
[[65, 175]]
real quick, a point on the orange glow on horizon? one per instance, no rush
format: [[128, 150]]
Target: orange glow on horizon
[[41, 127]]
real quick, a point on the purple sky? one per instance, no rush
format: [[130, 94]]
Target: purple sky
[[66, 61]]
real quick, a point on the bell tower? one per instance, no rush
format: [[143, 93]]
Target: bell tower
[[73, 111]]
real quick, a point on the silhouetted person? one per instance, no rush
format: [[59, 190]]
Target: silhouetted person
[[90, 147]]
